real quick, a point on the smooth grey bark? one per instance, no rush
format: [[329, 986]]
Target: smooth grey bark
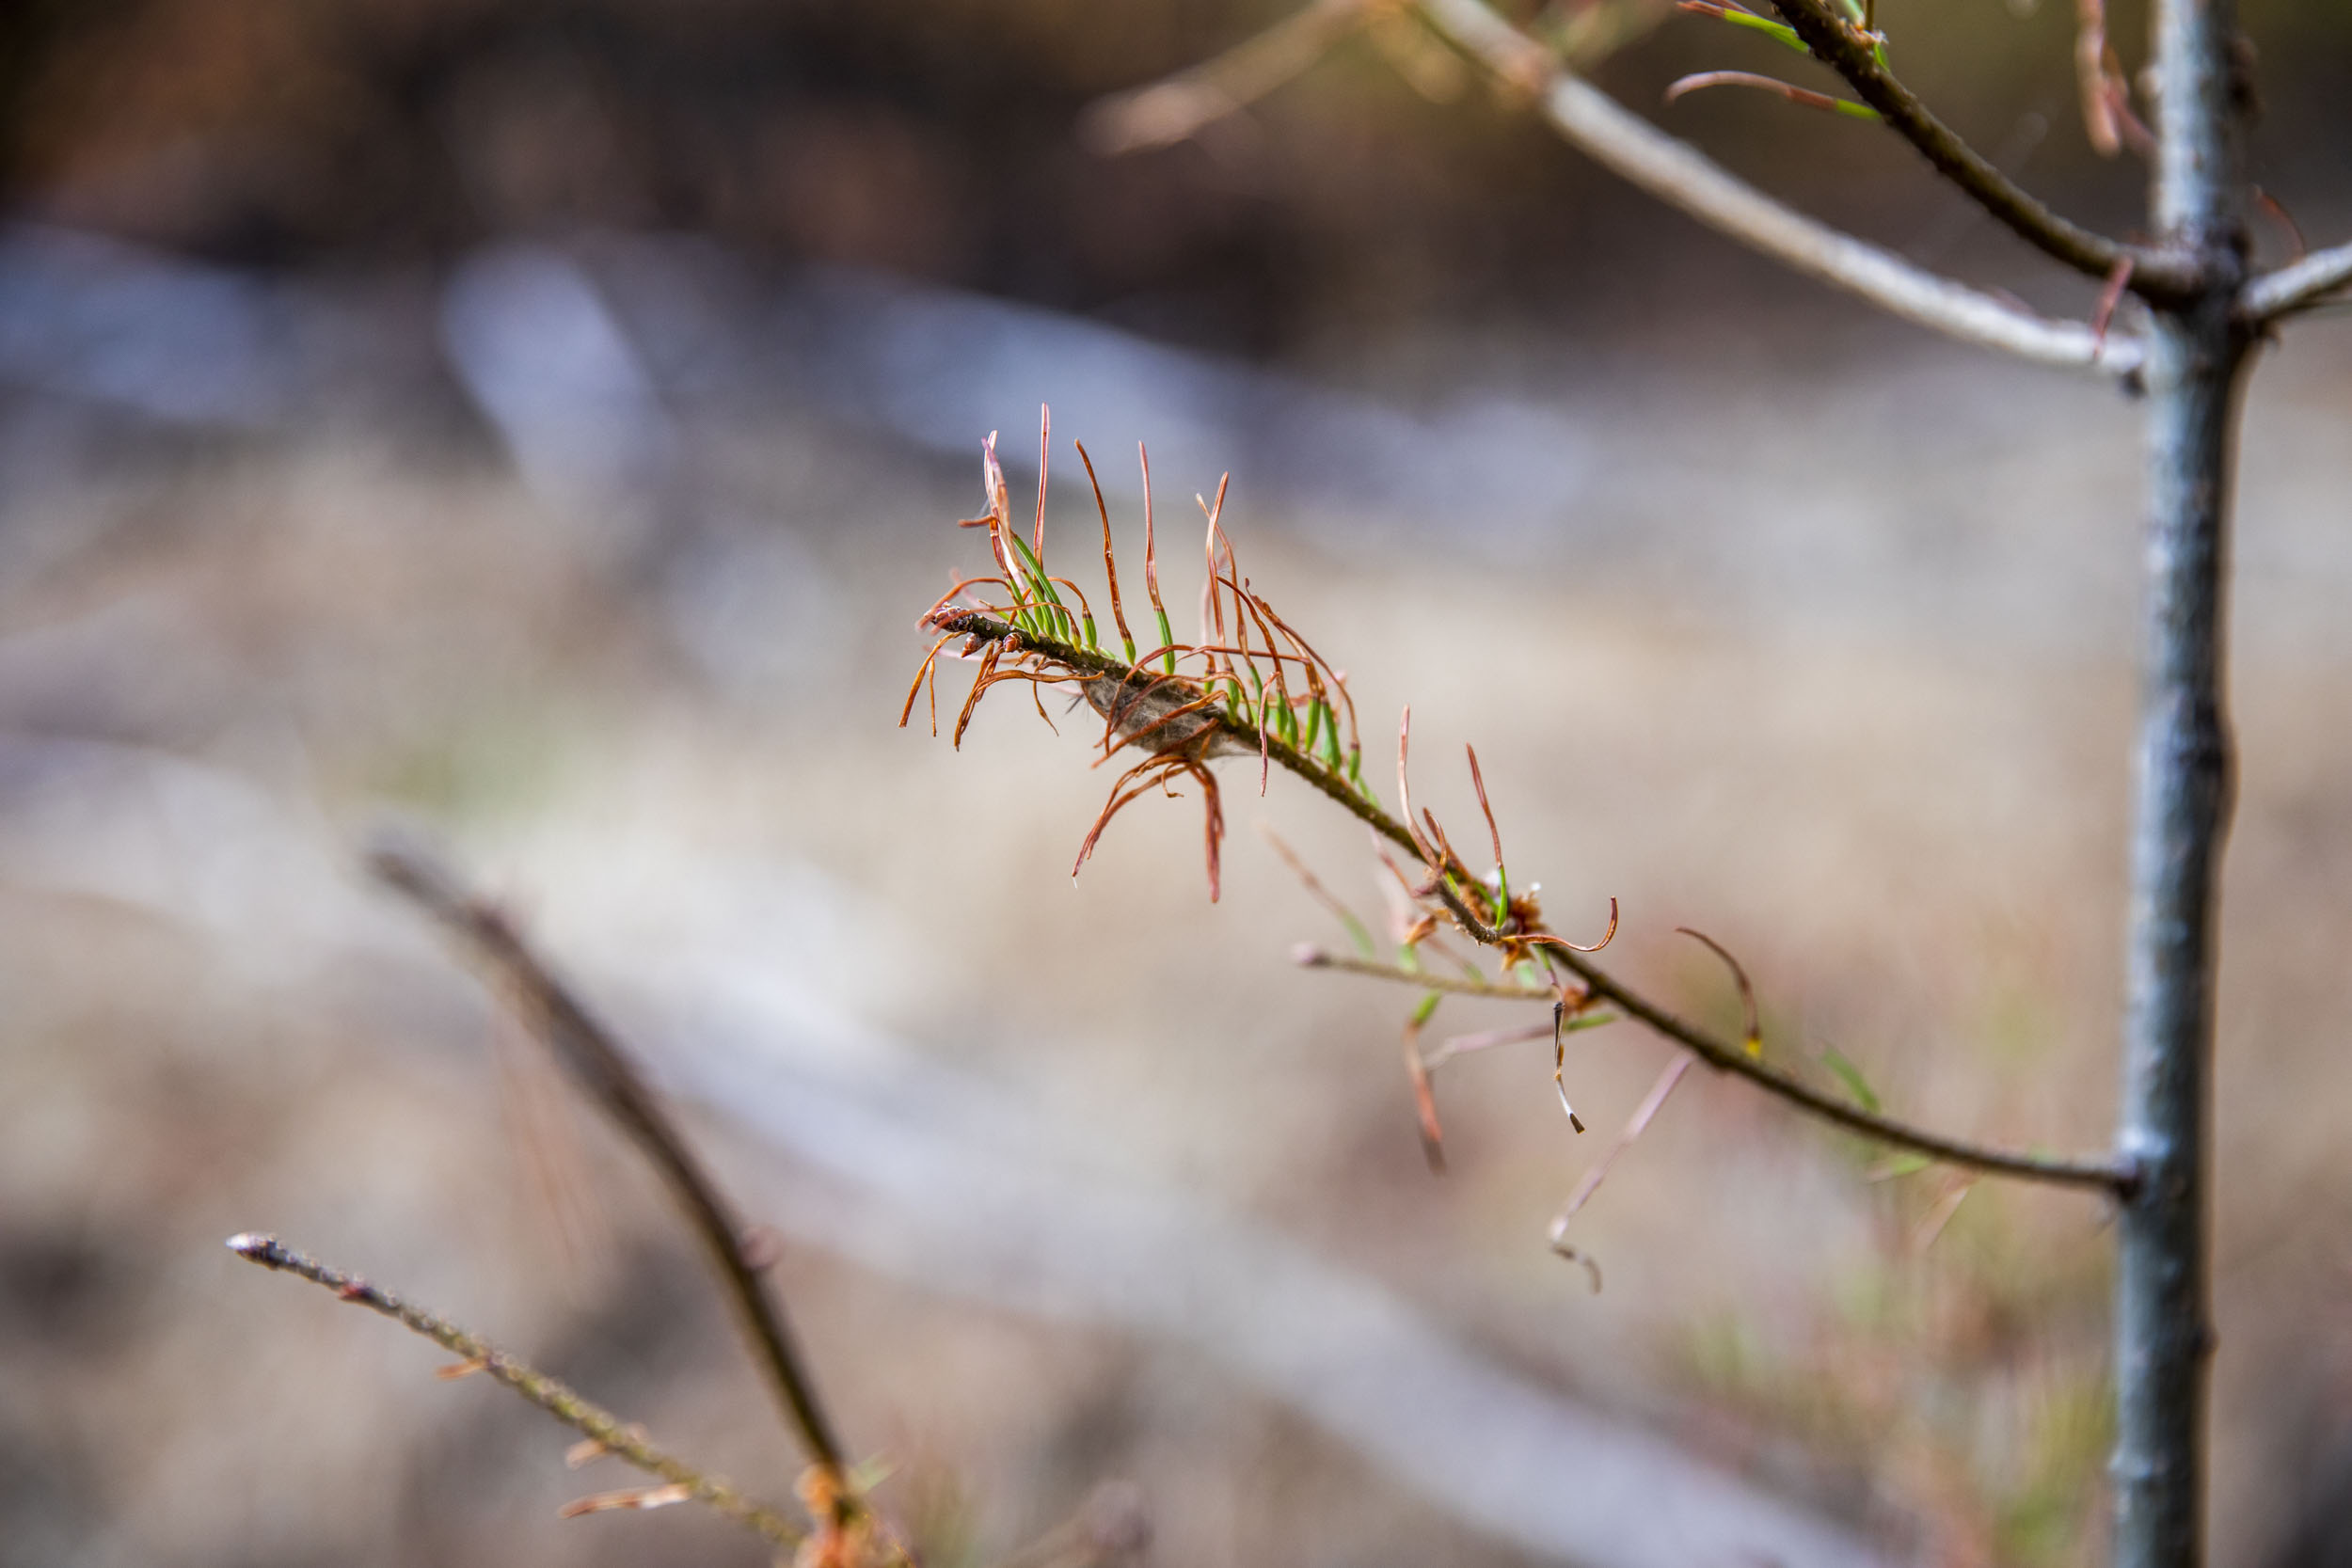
[[2163, 1324]]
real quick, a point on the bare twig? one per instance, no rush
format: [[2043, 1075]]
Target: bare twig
[[1310, 957], [1463, 1045], [2158, 276], [609, 1432], [2298, 287], [602, 1068], [1315, 890], [1635, 1126], [1682, 177], [2105, 1174], [1183, 105], [2092, 78]]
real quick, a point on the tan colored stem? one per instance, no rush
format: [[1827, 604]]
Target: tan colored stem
[[558, 1401], [594, 1058], [1458, 985]]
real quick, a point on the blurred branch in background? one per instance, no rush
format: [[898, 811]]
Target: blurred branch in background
[[1682, 177], [608, 1431], [1859, 56], [925, 1170], [1183, 105], [1191, 103], [343, 134], [596, 1062]]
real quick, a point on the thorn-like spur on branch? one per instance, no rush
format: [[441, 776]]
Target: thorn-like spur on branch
[[593, 1055], [1449, 877], [607, 1430], [2298, 287], [2158, 276], [1684, 178]]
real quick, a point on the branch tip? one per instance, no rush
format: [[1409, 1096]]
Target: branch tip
[[595, 1060], [625, 1440]]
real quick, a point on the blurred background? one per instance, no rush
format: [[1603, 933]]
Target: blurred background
[[541, 424]]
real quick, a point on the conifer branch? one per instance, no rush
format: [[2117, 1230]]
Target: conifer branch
[[1449, 875]]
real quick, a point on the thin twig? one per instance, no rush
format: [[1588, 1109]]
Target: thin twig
[[603, 1069], [2105, 1174], [2161, 278], [607, 1430], [1183, 105], [2297, 287], [1463, 1045], [2091, 77], [1310, 957], [1682, 177], [1635, 1126], [1357, 929]]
